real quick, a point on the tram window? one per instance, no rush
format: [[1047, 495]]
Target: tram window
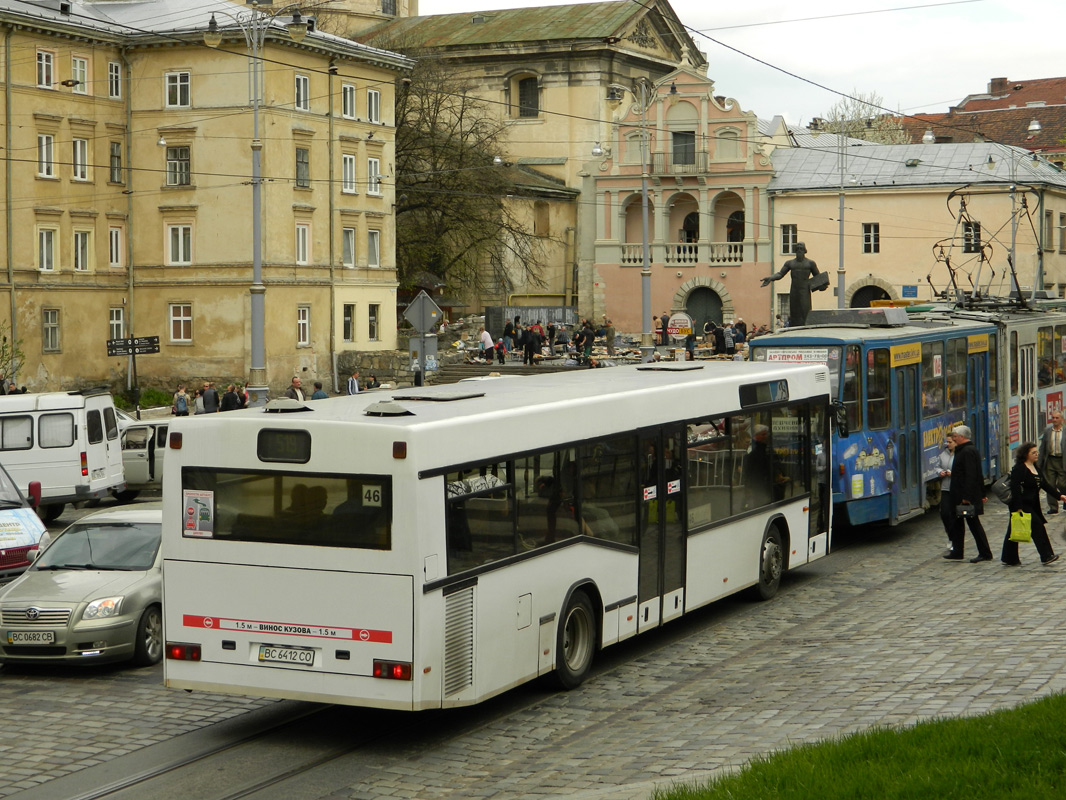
[[932, 379], [877, 387], [956, 373], [1045, 360], [1012, 365], [1060, 354], [713, 461], [851, 395], [993, 366]]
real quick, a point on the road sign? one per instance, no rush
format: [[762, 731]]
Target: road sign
[[423, 314], [136, 345]]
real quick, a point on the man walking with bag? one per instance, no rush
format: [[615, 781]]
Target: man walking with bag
[[1051, 462], [967, 492]]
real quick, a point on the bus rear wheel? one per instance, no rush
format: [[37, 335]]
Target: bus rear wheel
[[771, 565], [575, 643]]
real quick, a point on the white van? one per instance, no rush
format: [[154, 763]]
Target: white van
[[69, 441], [143, 444]]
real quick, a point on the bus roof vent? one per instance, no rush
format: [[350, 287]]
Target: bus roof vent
[[387, 408], [442, 397], [658, 366], [886, 317], [285, 405]]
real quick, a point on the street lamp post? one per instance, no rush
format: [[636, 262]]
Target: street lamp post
[[255, 25]]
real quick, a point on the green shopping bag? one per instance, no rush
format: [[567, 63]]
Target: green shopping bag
[[1021, 527]]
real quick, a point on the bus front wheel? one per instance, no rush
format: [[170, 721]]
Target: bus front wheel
[[771, 565], [50, 512], [575, 642]]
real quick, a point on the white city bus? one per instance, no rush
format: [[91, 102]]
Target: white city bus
[[433, 547]]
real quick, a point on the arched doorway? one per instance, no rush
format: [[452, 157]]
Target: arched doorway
[[866, 295], [734, 227], [690, 228], [703, 304]]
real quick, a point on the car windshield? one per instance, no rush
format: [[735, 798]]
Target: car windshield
[[9, 494], [103, 545]]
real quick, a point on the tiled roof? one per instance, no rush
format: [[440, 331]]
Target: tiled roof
[[932, 165], [1007, 126], [1004, 93], [513, 25]]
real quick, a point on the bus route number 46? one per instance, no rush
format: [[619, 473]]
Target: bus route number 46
[[372, 496]]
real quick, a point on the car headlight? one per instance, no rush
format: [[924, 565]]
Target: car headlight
[[103, 608]]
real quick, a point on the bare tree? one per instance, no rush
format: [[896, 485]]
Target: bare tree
[[862, 115]]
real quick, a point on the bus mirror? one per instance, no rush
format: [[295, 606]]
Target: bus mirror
[[841, 415], [34, 490]]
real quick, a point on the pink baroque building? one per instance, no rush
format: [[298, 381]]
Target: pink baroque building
[[709, 227]]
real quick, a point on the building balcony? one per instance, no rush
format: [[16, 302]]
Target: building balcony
[[681, 253], [693, 163]]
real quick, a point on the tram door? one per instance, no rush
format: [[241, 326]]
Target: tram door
[[977, 407], [661, 592], [1027, 391], [908, 445]]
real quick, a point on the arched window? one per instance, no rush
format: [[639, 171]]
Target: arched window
[[527, 92], [633, 151], [727, 146]]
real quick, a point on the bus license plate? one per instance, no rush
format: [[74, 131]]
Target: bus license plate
[[301, 656], [31, 637]]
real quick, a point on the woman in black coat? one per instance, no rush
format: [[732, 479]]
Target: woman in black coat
[[1026, 481]]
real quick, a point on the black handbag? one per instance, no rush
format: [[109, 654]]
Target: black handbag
[[1001, 489], [966, 511]]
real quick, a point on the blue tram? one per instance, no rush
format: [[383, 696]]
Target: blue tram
[[905, 377]]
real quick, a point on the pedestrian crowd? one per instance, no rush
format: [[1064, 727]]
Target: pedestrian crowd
[[206, 399]]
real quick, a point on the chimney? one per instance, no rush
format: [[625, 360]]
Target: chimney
[[998, 85]]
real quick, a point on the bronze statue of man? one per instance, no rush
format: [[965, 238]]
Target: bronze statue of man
[[799, 296]]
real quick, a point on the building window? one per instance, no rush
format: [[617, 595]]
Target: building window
[[372, 319], [971, 237], [528, 97], [373, 248], [46, 69], [116, 326], [541, 219], [373, 176], [179, 244], [871, 237], [80, 160], [46, 164], [114, 173], [348, 174], [114, 80], [373, 105], [303, 93], [50, 330], [1049, 230], [46, 249], [303, 168], [82, 250], [348, 322], [180, 322], [388, 8], [179, 166], [114, 247], [1062, 233], [348, 247], [789, 237], [303, 243], [727, 145], [178, 88], [348, 101], [684, 147], [303, 326], [79, 75]]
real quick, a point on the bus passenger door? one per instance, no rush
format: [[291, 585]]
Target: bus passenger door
[[661, 592], [977, 408], [1027, 392], [907, 447]]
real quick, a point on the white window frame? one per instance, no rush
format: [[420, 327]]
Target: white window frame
[[46, 248], [177, 89], [302, 93], [114, 247], [114, 80], [348, 247], [82, 250], [373, 105], [79, 74], [181, 314], [79, 159], [348, 174], [114, 163], [348, 100], [46, 155], [373, 322], [373, 249], [303, 326], [303, 243], [871, 238], [789, 238], [373, 176], [116, 322], [178, 244], [50, 338], [179, 170], [46, 69]]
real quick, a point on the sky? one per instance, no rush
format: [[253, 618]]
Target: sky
[[919, 57]]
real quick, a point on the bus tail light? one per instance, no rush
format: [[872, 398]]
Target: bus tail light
[[179, 651], [392, 670], [84, 465]]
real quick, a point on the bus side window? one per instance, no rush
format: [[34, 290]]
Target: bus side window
[[478, 518], [711, 462]]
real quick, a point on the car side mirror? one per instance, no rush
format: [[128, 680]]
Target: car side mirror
[[35, 493]]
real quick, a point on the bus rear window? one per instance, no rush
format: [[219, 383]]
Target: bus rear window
[[300, 508]]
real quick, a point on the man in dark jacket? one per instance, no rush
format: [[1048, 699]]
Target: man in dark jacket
[[967, 489]]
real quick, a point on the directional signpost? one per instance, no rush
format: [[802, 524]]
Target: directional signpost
[[134, 346], [423, 314]]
